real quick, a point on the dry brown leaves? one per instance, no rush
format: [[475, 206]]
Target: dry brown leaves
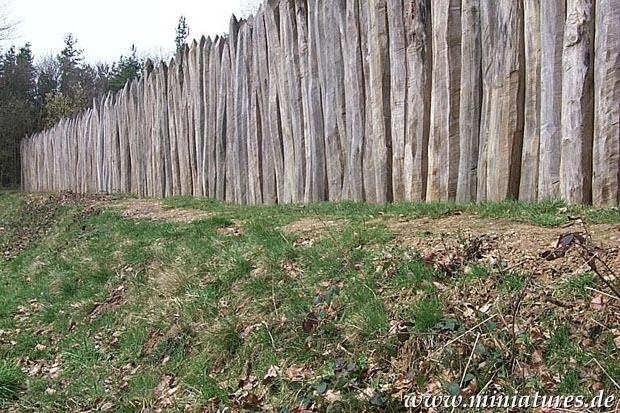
[[114, 301]]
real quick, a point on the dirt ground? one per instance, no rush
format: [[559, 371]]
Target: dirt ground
[[509, 243], [153, 209], [512, 244]]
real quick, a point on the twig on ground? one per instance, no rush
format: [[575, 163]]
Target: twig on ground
[[604, 371], [603, 293], [473, 350], [590, 260], [598, 323], [454, 340], [559, 303], [515, 313], [590, 257], [519, 264], [273, 296]]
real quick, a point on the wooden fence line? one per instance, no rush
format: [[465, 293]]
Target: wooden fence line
[[378, 101]]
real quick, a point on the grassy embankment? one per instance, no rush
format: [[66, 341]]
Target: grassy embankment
[[322, 306]]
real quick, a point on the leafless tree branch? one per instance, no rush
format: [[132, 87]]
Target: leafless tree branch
[[249, 7], [7, 24]]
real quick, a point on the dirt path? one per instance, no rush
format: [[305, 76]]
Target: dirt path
[[154, 209]]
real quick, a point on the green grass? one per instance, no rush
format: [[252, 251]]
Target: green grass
[[548, 213], [12, 380], [577, 286], [218, 301]]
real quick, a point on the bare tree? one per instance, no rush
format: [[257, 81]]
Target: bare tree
[[249, 7], [7, 25], [157, 55]]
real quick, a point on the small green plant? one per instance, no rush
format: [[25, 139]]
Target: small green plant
[[576, 287], [11, 380], [427, 314], [513, 281]]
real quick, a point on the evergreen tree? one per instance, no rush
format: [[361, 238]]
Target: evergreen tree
[[78, 85], [125, 70], [48, 83], [17, 110]]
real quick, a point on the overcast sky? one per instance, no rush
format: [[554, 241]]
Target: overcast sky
[[106, 29]]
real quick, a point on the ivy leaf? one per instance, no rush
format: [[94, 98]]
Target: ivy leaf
[[453, 388], [378, 400]]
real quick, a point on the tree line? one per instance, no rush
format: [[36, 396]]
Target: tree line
[[35, 96]]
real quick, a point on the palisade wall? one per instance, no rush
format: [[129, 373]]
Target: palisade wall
[[369, 100]]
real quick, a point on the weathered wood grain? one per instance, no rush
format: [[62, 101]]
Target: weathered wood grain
[[316, 180], [528, 190], [230, 109], [380, 100], [553, 14], [503, 100], [419, 67], [377, 101], [172, 127], [606, 146], [270, 195], [398, 92], [577, 102], [228, 121], [470, 101], [443, 152], [290, 52], [368, 165], [255, 145], [214, 158], [280, 112], [354, 100], [240, 110]]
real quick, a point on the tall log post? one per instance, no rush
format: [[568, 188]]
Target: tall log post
[[443, 162], [606, 157], [470, 101], [528, 190], [577, 103], [503, 77], [552, 17]]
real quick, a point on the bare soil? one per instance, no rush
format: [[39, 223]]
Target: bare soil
[[154, 210], [511, 243]]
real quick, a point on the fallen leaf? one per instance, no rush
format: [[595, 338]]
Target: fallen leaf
[[248, 383], [597, 302], [251, 399], [107, 406], [272, 373], [332, 396], [296, 373], [485, 308], [537, 359], [403, 333], [310, 322]]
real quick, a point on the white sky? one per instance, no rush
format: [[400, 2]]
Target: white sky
[[105, 29]]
